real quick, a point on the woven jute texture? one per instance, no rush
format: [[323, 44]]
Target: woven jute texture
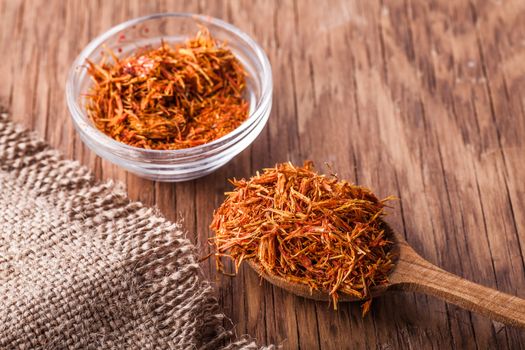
[[82, 267]]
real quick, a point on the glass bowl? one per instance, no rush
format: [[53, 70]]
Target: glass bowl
[[183, 164]]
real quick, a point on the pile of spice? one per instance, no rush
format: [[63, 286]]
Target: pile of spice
[[307, 228], [169, 97]]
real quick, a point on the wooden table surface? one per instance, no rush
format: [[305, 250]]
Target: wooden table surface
[[424, 100]]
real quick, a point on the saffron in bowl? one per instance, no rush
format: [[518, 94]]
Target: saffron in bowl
[[170, 96]]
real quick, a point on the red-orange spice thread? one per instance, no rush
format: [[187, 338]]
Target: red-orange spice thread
[[170, 97], [307, 228]]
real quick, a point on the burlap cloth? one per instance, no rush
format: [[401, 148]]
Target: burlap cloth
[[82, 267]]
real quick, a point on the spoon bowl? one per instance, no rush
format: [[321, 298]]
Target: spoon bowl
[[413, 273], [304, 291]]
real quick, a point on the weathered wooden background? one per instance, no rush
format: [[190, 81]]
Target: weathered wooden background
[[424, 100]]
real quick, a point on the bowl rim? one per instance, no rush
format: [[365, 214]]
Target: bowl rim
[[77, 112]]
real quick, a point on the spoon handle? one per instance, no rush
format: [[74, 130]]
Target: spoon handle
[[413, 273]]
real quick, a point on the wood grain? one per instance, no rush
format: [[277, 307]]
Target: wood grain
[[424, 100]]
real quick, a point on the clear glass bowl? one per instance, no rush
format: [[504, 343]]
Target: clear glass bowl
[[183, 164]]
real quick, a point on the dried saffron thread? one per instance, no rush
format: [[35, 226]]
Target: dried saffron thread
[[307, 228], [169, 97]]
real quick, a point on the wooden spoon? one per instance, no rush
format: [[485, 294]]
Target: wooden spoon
[[413, 273]]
